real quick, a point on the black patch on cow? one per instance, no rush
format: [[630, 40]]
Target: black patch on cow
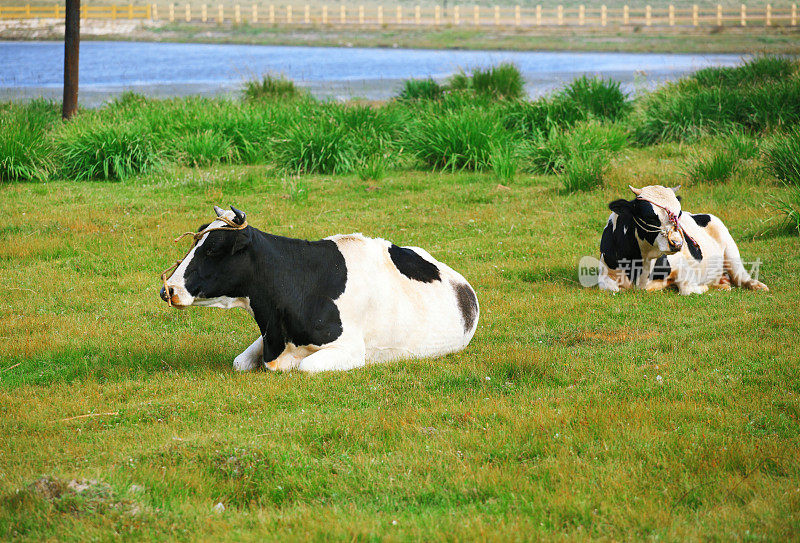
[[619, 246], [661, 269], [467, 303], [413, 266], [694, 248], [291, 283], [702, 219]]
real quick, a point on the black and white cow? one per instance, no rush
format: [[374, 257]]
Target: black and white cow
[[649, 242], [332, 304]]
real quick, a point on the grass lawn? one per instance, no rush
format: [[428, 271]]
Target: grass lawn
[[573, 413]]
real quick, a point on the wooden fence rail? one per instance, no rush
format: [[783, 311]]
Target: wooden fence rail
[[431, 16]]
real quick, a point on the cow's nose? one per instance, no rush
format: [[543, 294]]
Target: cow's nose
[[676, 246], [164, 295]]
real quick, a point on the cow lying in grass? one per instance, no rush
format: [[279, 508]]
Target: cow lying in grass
[[649, 242], [332, 304]]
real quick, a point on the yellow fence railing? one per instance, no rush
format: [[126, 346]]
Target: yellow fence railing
[[431, 16]]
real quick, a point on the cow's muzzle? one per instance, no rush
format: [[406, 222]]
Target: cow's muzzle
[[170, 296], [675, 241]]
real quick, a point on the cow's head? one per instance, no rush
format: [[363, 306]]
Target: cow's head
[[215, 272], [655, 213]]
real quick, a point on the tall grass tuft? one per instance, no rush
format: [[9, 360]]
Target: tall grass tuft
[[25, 153], [552, 154], [761, 96], [421, 89], [204, 148], [270, 87], [787, 211], [761, 69], [505, 162], [782, 157], [584, 172], [600, 97], [718, 167], [503, 82], [317, 145], [456, 140], [105, 150]]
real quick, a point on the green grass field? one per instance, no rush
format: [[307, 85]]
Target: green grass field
[[573, 413]]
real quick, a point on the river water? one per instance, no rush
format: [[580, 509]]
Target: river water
[[30, 69]]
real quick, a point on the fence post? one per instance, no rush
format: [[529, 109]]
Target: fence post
[[155, 12], [288, 14], [648, 15], [671, 15], [744, 16], [794, 14], [695, 15], [560, 15], [220, 14], [518, 15], [130, 11], [254, 15], [149, 11], [476, 16], [603, 15], [626, 14], [324, 15], [188, 14], [113, 11], [399, 14], [380, 15], [84, 12], [497, 15], [417, 16], [436, 15], [171, 12], [581, 14], [28, 11], [538, 15], [204, 13], [769, 15], [719, 14], [456, 15], [361, 15]]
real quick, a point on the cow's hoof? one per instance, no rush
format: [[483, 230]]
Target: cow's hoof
[[758, 285]]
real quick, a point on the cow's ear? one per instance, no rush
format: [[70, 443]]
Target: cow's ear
[[675, 189], [680, 198], [241, 242], [621, 207], [694, 248]]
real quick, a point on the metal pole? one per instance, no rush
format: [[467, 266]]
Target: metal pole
[[72, 37]]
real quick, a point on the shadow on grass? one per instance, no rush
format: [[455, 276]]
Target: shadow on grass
[[566, 275], [68, 365]]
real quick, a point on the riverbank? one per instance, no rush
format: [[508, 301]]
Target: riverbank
[[624, 39]]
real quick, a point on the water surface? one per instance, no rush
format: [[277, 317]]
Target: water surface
[[176, 69]]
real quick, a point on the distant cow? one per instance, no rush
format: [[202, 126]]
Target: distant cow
[[332, 304], [649, 242]]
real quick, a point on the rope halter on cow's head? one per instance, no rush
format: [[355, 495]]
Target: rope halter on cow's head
[[239, 222], [665, 198]]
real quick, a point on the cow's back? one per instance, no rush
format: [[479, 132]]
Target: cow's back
[[403, 301]]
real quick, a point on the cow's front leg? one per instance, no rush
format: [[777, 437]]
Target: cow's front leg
[[685, 288], [250, 357], [341, 356]]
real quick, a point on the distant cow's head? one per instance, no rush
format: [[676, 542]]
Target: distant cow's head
[[656, 213], [214, 273]]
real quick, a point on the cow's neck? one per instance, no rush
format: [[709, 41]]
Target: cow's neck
[[290, 279]]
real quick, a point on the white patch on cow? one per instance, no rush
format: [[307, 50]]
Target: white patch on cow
[[388, 316], [250, 357]]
